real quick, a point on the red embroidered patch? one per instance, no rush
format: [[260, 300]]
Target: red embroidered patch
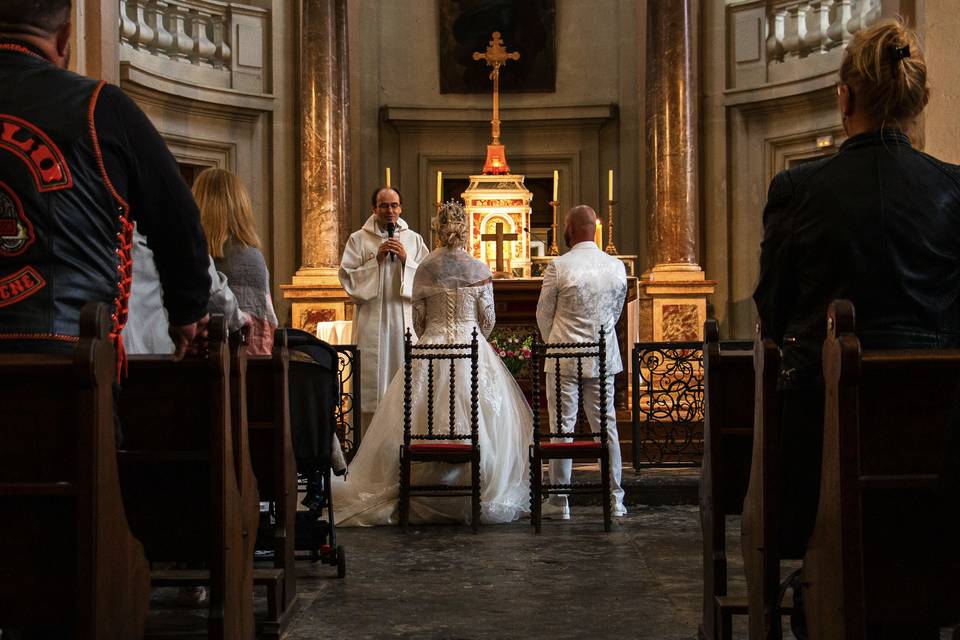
[[16, 232], [19, 286], [37, 151]]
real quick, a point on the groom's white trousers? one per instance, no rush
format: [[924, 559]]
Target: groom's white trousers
[[560, 469]]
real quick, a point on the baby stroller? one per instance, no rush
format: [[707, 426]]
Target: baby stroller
[[314, 394]]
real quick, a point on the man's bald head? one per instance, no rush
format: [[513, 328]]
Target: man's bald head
[[45, 24], [37, 17], [581, 225]]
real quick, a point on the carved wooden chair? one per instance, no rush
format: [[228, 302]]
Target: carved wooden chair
[[440, 445], [573, 445]]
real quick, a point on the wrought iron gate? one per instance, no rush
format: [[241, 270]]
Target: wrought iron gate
[[667, 404], [348, 410]]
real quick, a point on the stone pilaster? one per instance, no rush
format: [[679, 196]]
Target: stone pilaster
[[324, 164], [675, 286]]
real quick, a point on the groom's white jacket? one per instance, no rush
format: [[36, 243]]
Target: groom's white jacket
[[583, 290]]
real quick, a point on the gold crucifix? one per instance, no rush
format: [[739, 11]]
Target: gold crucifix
[[500, 238], [496, 56]]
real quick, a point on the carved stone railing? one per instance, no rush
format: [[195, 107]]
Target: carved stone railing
[[192, 41], [797, 28], [182, 31]]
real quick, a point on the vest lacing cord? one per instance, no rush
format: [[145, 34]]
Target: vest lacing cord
[[124, 284], [124, 243], [19, 48]]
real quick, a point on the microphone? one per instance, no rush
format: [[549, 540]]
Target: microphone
[[391, 229]]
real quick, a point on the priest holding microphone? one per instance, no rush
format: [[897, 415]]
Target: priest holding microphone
[[377, 271]]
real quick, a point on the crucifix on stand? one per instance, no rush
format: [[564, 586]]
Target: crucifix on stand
[[500, 238], [496, 56]]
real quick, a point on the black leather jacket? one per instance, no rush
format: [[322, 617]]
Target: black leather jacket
[[878, 224]]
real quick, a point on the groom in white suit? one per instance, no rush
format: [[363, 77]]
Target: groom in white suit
[[583, 290]]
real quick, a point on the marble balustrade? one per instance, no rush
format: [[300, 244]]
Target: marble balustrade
[[798, 28], [188, 31]]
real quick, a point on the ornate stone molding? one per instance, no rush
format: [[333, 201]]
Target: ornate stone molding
[[400, 115]]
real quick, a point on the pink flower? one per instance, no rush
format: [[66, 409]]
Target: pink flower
[[501, 353], [510, 354]]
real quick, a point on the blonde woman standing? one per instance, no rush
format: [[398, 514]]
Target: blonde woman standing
[[227, 217]]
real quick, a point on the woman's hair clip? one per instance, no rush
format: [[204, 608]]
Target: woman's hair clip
[[899, 53]]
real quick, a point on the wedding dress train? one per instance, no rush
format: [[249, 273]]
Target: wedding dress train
[[445, 314]]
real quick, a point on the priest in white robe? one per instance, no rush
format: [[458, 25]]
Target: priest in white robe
[[377, 272]]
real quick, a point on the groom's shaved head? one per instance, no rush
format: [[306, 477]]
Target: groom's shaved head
[[583, 217], [581, 225]]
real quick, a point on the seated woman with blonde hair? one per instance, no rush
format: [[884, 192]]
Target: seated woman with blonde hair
[[878, 224], [227, 217]]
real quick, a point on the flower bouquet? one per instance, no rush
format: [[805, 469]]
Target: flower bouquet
[[513, 351]]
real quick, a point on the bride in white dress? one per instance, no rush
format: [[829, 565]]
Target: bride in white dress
[[452, 294]]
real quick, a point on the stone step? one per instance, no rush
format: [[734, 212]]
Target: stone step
[[649, 486]]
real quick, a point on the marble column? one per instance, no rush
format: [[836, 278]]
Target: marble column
[[675, 286], [324, 163]]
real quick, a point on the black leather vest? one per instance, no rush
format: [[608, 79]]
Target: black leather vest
[[62, 229]]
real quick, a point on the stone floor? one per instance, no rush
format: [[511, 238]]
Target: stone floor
[[642, 580], [573, 581]]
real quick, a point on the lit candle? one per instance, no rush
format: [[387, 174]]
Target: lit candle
[[598, 235], [610, 185], [388, 178], [556, 179], [439, 186]]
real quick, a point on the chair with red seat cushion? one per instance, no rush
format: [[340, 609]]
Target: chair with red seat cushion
[[437, 444], [578, 444]]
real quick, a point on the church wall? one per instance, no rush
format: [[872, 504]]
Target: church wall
[[939, 22], [95, 39], [590, 124], [586, 57]]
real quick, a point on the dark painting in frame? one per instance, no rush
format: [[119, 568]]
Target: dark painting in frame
[[526, 26]]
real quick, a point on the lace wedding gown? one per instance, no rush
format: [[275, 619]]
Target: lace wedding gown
[[369, 495]]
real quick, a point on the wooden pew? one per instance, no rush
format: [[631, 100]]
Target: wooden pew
[[69, 560], [761, 547], [728, 437], [883, 561], [187, 479], [271, 448]]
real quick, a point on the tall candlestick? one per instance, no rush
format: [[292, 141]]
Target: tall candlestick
[[439, 186], [611, 248], [610, 185], [598, 235], [553, 250], [388, 178], [556, 179]]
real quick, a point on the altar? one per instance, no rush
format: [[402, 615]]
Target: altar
[[667, 303]]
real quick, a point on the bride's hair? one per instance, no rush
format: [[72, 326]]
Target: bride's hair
[[450, 225]]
